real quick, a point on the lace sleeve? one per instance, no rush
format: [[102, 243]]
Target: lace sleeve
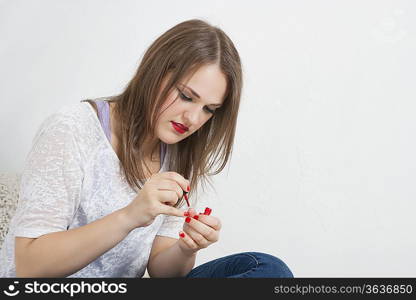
[[171, 225], [51, 180]]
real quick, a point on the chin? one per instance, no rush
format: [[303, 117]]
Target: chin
[[170, 140]]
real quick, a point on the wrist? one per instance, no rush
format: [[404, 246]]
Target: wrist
[[124, 219]]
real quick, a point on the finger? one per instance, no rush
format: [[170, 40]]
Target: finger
[[167, 197], [207, 211], [187, 240], [170, 185], [208, 232], [211, 221], [198, 238], [191, 212], [179, 179]]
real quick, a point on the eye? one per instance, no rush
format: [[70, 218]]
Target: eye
[[183, 96], [186, 98], [210, 110]]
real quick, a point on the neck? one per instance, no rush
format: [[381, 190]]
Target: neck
[[152, 152]]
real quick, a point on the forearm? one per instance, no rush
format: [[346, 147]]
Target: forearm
[[60, 254], [172, 262]]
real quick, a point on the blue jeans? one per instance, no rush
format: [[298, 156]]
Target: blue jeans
[[242, 265]]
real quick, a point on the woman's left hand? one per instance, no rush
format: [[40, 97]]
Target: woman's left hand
[[201, 231]]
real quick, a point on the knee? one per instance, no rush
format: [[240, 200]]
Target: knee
[[274, 266]]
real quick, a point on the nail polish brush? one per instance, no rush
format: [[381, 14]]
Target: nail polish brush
[[186, 198]]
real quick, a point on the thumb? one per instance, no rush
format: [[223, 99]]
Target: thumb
[[172, 211]]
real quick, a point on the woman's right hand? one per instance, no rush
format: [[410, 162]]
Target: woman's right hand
[[158, 196]]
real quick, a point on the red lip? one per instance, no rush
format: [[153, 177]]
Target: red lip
[[183, 127], [177, 128]]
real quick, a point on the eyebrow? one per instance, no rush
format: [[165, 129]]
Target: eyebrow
[[199, 97]]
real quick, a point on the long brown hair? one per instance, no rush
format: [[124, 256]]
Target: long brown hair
[[178, 52]]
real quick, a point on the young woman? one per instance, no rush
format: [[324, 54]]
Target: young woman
[[103, 185]]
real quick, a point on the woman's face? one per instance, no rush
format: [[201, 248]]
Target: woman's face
[[198, 95]]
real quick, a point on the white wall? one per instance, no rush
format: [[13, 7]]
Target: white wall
[[323, 170]]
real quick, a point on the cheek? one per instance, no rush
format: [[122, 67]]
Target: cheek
[[204, 121], [169, 102]]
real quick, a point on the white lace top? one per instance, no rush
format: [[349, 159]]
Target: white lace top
[[71, 178]]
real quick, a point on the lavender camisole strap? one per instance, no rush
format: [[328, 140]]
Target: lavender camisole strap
[[103, 108]]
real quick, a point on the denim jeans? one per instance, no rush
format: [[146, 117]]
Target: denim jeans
[[242, 265]]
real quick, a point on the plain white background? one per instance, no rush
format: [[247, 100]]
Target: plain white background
[[323, 171]]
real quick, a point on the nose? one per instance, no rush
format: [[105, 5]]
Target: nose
[[192, 116]]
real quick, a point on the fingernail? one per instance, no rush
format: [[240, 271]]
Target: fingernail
[[188, 219], [186, 213], [186, 197], [207, 211], [182, 235], [188, 188], [196, 217]]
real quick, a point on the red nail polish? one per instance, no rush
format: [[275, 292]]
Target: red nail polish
[[186, 213], [188, 219], [196, 217], [188, 188], [207, 211], [182, 235], [186, 197]]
